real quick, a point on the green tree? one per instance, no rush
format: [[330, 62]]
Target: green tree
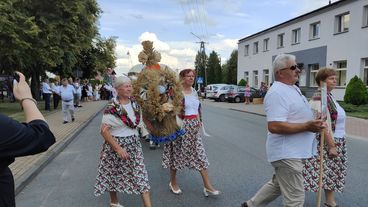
[[214, 72], [242, 82], [98, 57], [200, 65], [356, 92], [43, 35], [231, 68]]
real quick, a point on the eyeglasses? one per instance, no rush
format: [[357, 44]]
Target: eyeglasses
[[293, 67]]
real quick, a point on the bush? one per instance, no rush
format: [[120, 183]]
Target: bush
[[356, 92], [242, 82]]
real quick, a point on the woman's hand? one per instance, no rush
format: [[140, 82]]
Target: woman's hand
[[332, 152], [122, 153], [21, 90]]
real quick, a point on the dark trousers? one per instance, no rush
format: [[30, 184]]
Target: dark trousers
[[47, 98], [56, 99], [7, 195]]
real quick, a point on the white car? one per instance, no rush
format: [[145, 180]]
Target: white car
[[218, 91]]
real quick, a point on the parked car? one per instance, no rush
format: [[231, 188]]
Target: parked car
[[236, 94], [217, 92]]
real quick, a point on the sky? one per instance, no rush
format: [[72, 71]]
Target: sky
[[176, 26]]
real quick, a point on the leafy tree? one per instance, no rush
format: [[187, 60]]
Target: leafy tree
[[231, 68], [214, 72], [43, 35], [200, 65], [242, 82], [98, 57], [356, 92]]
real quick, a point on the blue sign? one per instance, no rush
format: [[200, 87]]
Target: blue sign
[[200, 80]]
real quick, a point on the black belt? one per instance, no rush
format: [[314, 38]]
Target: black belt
[[68, 100]]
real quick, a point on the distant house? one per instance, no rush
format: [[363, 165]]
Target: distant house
[[335, 35]]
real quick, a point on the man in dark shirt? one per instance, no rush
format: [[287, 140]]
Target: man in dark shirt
[[20, 139]]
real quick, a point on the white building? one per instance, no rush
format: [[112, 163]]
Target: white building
[[335, 35]]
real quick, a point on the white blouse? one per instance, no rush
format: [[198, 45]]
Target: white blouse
[[340, 121], [191, 103]]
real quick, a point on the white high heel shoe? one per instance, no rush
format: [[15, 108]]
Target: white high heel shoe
[[176, 192], [207, 192], [116, 205]]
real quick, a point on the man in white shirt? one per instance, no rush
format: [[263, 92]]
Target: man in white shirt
[[46, 93], [66, 93], [290, 138]]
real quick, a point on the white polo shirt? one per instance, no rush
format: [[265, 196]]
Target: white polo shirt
[[285, 103], [67, 92]]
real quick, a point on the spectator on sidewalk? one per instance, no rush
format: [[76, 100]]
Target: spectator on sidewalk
[[290, 136], [263, 89], [21, 139], [247, 93], [78, 93], [121, 167], [46, 93], [66, 93], [334, 152], [55, 87], [188, 151]]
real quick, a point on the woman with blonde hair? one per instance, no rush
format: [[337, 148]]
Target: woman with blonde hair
[[121, 167], [334, 152], [188, 151]]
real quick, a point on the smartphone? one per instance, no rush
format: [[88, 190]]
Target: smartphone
[[15, 80]]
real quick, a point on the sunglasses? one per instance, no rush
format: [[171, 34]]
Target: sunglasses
[[293, 67]]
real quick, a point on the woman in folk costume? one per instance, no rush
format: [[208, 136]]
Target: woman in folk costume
[[121, 167], [334, 152], [188, 152]]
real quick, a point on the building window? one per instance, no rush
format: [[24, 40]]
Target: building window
[[266, 77], [280, 40], [246, 77], [265, 44], [365, 16], [295, 35], [341, 72], [365, 71], [313, 68], [246, 50], [314, 30], [342, 23], [255, 48], [255, 78]]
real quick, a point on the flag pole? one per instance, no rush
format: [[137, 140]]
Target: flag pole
[[322, 141]]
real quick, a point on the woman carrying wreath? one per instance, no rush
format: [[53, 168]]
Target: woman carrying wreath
[[188, 151], [121, 167]]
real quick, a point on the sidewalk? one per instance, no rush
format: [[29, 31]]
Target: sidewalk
[[355, 127], [25, 168]]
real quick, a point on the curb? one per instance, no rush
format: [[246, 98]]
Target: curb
[[249, 112], [28, 176]]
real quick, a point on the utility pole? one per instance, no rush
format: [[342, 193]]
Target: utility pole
[[202, 51]]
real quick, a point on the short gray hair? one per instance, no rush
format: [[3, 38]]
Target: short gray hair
[[120, 81], [281, 61]]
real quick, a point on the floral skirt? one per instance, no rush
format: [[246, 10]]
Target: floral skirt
[[118, 175], [187, 151], [334, 170]]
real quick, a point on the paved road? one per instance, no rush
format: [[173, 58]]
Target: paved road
[[238, 167]]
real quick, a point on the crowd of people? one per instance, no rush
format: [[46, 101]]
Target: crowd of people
[[294, 124]]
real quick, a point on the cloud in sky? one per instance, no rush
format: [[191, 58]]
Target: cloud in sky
[[169, 25]]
